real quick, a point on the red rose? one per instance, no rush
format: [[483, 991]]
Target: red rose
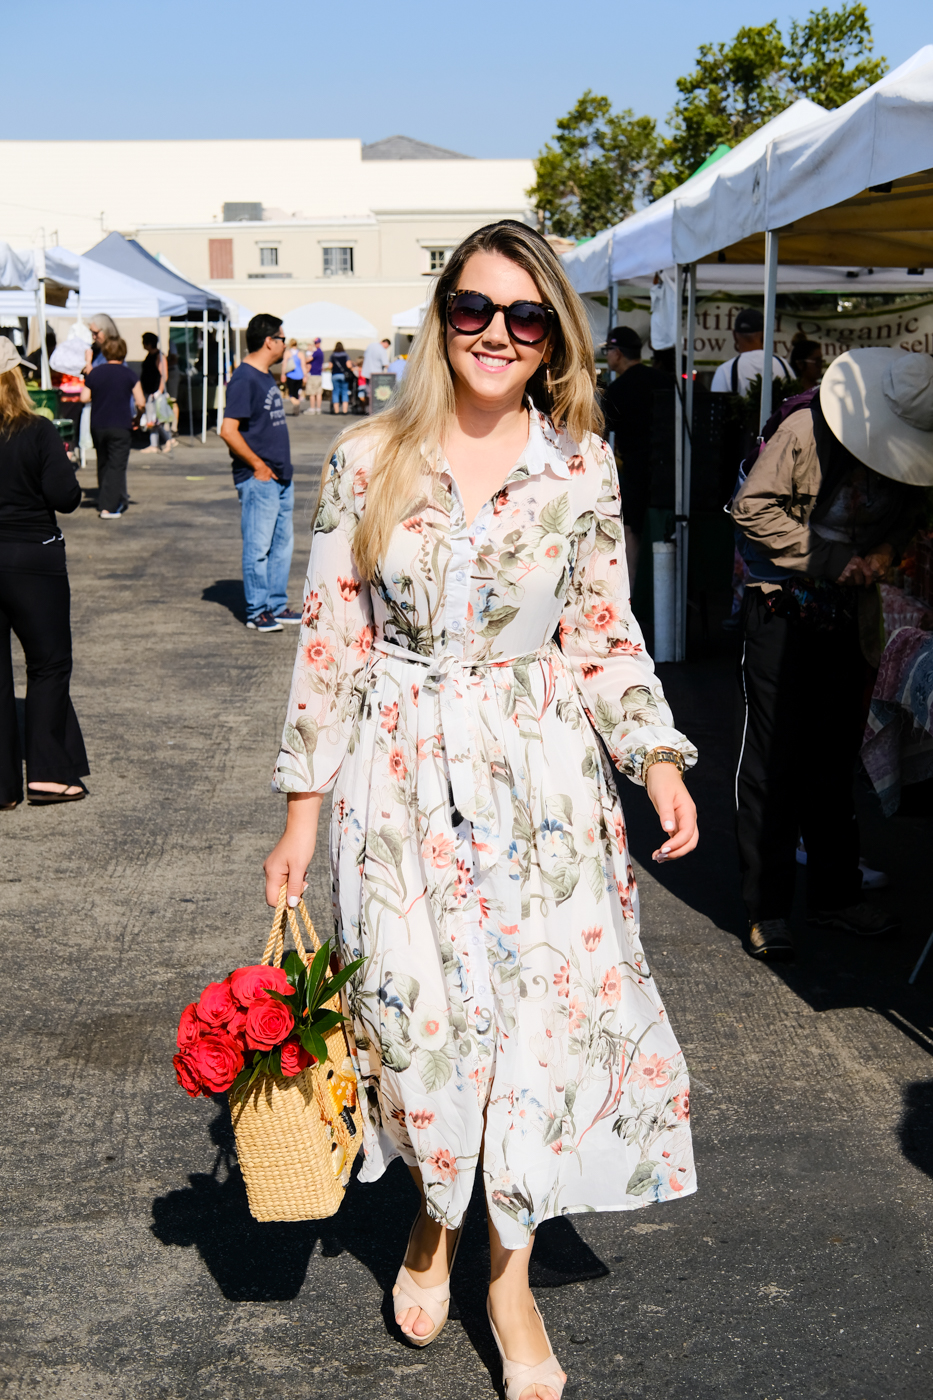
[[295, 1058], [190, 1027], [186, 1072], [218, 1059], [268, 1023], [248, 983], [216, 1004], [236, 1026]]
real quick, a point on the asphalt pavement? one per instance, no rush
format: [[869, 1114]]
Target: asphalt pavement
[[131, 1268]]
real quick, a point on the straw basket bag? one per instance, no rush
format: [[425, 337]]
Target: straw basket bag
[[296, 1138]]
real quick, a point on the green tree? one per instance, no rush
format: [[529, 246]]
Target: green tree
[[591, 173], [738, 86], [829, 56]]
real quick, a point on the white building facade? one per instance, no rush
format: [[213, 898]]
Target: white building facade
[[271, 224]]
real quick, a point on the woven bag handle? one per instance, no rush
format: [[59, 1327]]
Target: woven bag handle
[[275, 944]]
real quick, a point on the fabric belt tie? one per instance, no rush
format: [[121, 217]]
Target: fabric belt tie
[[466, 741]]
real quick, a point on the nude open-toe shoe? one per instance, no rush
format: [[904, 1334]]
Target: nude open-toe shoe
[[517, 1377], [434, 1300]]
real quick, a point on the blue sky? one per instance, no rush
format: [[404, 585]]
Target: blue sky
[[487, 78]]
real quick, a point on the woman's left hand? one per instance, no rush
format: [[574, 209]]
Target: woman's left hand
[[676, 810]]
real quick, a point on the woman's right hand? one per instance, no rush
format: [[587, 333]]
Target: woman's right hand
[[288, 861]]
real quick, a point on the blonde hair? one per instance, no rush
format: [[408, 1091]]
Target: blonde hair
[[408, 435], [16, 408]]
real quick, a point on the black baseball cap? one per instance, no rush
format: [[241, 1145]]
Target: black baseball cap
[[749, 320], [627, 340]]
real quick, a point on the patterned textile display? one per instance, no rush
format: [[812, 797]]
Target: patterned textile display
[[478, 847], [897, 747]]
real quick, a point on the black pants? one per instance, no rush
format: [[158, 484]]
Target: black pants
[[35, 603], [800, 718], [113, 452]]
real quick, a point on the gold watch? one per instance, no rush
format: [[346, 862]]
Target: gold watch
[[662, 756]]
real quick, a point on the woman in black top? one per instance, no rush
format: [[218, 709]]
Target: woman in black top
[[36, 480], [152, 380]]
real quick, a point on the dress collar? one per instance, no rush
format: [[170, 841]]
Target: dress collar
[[543, 448]]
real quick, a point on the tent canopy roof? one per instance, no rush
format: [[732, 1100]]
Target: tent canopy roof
[[131, 258], [643, 243], [326, 318], [854, 187]]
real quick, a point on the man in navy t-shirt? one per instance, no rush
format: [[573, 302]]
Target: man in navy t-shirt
[[256, 431]]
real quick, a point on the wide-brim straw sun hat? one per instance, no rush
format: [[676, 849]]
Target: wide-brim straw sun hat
[[879, 404]]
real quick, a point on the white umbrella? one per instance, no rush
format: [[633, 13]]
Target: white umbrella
[[328, 320]]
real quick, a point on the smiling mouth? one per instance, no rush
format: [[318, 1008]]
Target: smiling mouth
[[494, 363]]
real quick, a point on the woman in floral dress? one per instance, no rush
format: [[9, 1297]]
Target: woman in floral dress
[[467, 641]]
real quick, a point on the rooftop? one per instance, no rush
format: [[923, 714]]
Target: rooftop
[[407, 148]]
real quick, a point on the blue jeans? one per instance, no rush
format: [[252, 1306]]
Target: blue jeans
[[339, 391], [266, 523]]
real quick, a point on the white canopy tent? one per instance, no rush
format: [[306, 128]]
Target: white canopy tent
[[411, 319], [93, 288], [642, 244], [851, 190], [884, 134], [328, 320]]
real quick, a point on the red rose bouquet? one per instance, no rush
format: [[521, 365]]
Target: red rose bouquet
[[259, 1020]]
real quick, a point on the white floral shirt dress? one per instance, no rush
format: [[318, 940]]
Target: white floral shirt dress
[[478, 849]]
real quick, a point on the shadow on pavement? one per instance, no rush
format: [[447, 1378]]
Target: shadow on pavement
[[228, 592], [916, 1129], [253, 1261]]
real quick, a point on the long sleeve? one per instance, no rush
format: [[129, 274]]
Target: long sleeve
[[334, 645], [604, 646], [59, 485], [776, 485]]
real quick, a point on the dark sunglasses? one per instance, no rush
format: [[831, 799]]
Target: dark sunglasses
[[527, 322]]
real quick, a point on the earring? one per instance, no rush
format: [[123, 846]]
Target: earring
[[547, 377]]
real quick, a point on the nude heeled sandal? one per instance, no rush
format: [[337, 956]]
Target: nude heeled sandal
[[434, 1300], [516, 1377]]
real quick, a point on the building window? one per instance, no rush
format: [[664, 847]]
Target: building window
[[220, 257], [338, 262], [437, 257], [268, 257]]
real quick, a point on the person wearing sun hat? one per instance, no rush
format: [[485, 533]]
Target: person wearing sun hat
[[826, 509]]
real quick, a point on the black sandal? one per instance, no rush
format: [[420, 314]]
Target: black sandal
[[39, 798]]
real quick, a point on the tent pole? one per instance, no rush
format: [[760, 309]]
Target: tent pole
[[678, 463], [204, 376], [613, 301], [767, 380], [45, 377], [221, 365], [684, 552]]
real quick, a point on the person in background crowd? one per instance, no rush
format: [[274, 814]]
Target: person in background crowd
[[295, 370], [806, 361], [375, 360], [825, 510], [111, 389], [153, 378], [255, 430], [398, 367], [34, 361], [36, 480], [102, 328], [628, 406], [735, 376], [339, 374], [315, 363]]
